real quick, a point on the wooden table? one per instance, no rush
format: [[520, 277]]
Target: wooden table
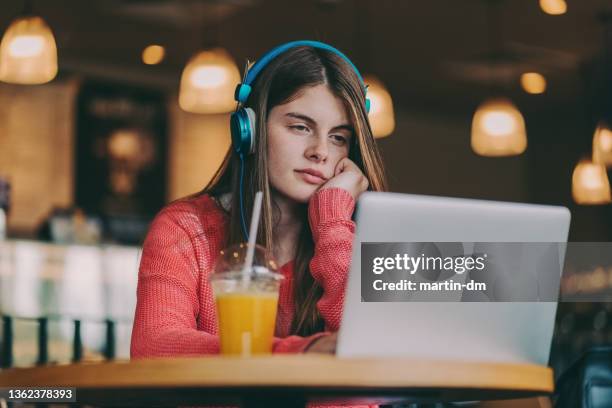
[[285, 380]]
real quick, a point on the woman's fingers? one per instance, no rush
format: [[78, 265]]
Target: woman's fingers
[[341, 166], [325, 344], [348, 176]]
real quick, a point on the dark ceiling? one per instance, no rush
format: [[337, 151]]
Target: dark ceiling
[[428, 52]]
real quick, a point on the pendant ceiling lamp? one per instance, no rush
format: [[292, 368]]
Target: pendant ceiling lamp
[[28, 53], [498, 127], [602, 145], [533, 83], [153, 54], [602, 138], [209, 79], [381, 115], [208, 82], [553, 7], [590, 184]]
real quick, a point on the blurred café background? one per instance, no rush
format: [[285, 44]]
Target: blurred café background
[[109, 109]]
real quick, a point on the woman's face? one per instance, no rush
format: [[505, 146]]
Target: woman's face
[[307, 137]]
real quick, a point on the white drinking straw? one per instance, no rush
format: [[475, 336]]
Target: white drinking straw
[[248, 263]]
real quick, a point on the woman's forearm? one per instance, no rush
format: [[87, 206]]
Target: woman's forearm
[[333, 231]]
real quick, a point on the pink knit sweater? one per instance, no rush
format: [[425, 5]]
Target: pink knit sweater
[[175, 310]]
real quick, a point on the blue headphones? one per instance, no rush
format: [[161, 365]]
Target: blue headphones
[[242, 121]]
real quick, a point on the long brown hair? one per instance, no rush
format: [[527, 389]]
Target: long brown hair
[[278, 83]]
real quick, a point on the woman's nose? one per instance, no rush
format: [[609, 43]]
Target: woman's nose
[[317, 150]]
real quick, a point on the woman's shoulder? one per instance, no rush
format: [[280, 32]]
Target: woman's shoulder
[[198, 204], [192, 214]]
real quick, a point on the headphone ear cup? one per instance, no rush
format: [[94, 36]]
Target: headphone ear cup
[[252, 125], [241, 132], [242, 129]]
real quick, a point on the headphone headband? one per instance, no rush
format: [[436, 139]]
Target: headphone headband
[[243, 89], [242, 121]]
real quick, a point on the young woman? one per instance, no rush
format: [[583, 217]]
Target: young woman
[[314, 155]]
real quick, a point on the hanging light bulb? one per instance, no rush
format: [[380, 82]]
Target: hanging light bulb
[[153, 54], [533, 83], [28, 54], [602, 145], [590, 184], [381, 115], [498, 129], [208, 83]]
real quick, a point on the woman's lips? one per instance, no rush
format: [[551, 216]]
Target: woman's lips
[[310, 178]]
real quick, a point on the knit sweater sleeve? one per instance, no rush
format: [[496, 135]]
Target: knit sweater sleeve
[[329, 213], [168, 295]]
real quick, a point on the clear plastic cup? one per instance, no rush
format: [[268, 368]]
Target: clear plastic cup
[[246, 307]]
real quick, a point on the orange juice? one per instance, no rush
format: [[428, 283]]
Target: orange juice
[[246, 321]]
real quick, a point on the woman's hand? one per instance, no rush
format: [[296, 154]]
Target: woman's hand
[[348, 177], [324, 344]]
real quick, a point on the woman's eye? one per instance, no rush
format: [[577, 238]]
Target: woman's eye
[[300, 128], [339, 139]]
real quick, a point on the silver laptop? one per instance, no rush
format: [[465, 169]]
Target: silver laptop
[[468, 331]]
